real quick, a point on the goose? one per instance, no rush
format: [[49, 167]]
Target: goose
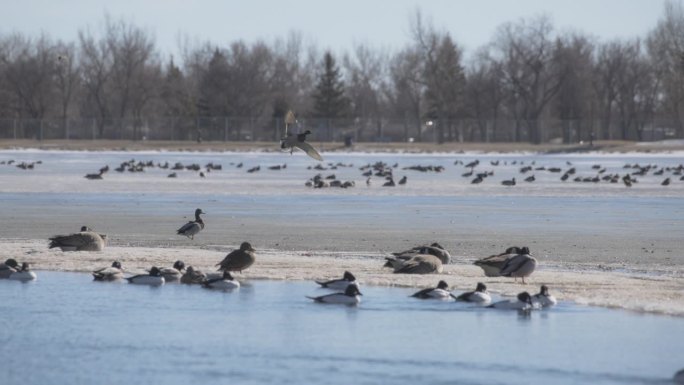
[[439, 292], [173, 273], [23, 274], [191, 228], [434, 249], [226, 282], [509, 182], [193, 276], [543, 298], [530, 178], [522, 302], [666, 182], [418, 264], [112, 273], [339, 284], [8, 267], [94, 176], [154, 278], [480, 295], [351, 296], [521, 265], [403, 180], [492, 265], [85, 240], [238, 260]]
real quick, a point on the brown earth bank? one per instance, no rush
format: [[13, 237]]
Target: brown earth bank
[[423, 147]]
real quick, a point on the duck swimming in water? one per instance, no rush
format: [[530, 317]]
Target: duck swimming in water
[[8, 267], [174, 273], [522, 302], [193, 276], [439, 292], [23, 274], [226, 282], [351, 296], [112, 273], [480, 295], [191, 228], [543, 298], [154, 278], [339, 284]]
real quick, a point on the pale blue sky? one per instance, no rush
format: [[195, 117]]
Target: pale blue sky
[[336, 25]]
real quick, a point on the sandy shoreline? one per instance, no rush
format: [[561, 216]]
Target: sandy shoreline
[[633, 288]]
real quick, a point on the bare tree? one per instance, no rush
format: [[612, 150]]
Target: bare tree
[[406, 89], [96, 66], [67, 80], [484, 94]]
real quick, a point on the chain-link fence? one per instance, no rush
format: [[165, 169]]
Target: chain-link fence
[[334, 130]]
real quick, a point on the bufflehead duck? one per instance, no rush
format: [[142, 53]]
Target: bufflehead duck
[[23, 274], [238, 260], [543, 298], [339, 284], [439, 292], [111, 273], [522, 302], [154, 278], [191, 228], [480, 295], [351, 296], [226, 282]]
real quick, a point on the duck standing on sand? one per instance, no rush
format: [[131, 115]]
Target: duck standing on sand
[[8, 267], [339, 284], [238, 260], [439, 292], [226, 282], [492, 265], [351, 296], [522, 302], [24, 274], [480, 295], [154, 278], [418, 264], [191, 228], [522, 265], [543, 298], [112, 273], [290, 141], [85, 240]]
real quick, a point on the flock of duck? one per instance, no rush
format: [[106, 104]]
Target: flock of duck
[[515, 262]]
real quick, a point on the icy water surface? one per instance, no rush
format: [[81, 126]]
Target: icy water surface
[[66, 329]]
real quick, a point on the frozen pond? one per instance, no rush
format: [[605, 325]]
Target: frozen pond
[[64, 328]]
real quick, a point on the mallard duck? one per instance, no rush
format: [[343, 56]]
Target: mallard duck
[[418, 264], [193, 276], [351, 296], [492, 265], [112, 273], [85, 240], [521, 265], [238, 260], [191, 228]]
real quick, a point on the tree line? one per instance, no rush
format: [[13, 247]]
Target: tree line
[[531, 82]]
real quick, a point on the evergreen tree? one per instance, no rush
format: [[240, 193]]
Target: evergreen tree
[[330, 101]]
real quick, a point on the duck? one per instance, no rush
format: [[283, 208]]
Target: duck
[[173, 273], [418, 264], [435, 249], [85, 240], [439, 292], [191, 228], [403, 180], [351, 296], [509, 182], [23, 274], [192, 276], [290, 141], [112, 273], [8, 267], [543, 298], [339, 284], [480, 295], [522, 302], [154, 278], [521, 265], [492, 265], [226, 282], [94, 176], [238, 260]]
